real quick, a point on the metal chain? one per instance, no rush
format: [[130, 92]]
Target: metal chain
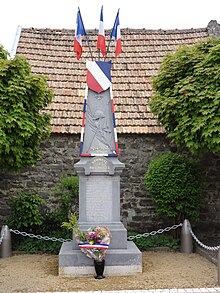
[[40, 237], [2, 236], [212, 248], [145, 235], [152, 233]]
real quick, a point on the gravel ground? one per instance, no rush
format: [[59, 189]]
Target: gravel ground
[[161, 269]]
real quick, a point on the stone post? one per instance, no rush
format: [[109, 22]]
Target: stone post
[[186, 238], [5, 246], [218, 264]]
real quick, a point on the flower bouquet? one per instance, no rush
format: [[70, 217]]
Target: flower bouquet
[[94, 242]]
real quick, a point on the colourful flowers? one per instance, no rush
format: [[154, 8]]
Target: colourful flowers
[[94, 242], [97, 234]]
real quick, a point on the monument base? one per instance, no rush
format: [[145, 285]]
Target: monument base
[[118, 232], [73, 262]]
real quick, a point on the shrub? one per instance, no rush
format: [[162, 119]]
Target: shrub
[[145, 243], [186, 93], [70, 194], [33, 245], [174, 182], [27, 214], [67, 196], [26, 211], [24, 125]]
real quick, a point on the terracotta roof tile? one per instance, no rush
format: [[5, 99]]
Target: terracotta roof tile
[[50, 52]]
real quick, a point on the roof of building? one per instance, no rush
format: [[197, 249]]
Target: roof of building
[[50, 52]]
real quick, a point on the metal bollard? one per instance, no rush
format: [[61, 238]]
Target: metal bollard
[[218, 264], [5, 247], [186, 238]]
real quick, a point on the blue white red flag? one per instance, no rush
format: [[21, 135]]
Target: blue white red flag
[[101, 45], [93, 246], [116, 34], [79, 32], [98, 76]]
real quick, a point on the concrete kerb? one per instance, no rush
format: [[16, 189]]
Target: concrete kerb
[[174, 290], [218, 257]]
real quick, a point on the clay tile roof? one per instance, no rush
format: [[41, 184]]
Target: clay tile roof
[[50, 52]]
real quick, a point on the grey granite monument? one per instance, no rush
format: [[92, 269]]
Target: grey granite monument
[[99, 173]]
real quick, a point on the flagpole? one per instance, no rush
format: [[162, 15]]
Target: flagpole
[[108, 48], [99, 53], [90, 50], [111, 35], [87, 39], [100, 31]]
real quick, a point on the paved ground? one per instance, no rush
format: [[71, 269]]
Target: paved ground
[[187, 290]]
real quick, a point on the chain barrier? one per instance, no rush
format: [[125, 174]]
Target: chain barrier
[[152, 233], [40, 237], [211, 248], [138, 236], [2, 236]]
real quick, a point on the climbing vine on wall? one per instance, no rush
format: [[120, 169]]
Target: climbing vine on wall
[[186, 96], [23, 125]]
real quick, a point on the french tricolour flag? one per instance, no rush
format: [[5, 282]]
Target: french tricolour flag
[[80, 31], [101, 45], [93, 246], [98, 76], [116, 34]]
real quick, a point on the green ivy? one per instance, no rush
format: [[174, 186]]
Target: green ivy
[[186, 96], [23, 124]]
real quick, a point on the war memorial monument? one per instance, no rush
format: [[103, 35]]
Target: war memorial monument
[[99, 171]]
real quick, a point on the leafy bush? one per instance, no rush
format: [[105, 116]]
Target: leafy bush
[[174, 182], [67, 195], [186, 95], [35, 245], [26, 211], [70, 192], [145, 243], [24, 125], [27, 214]]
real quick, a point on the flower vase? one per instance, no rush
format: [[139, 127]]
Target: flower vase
[[99, 268]]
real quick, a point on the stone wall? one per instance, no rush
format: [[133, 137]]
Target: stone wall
[[61, 152], [137, 208], [209, 225]]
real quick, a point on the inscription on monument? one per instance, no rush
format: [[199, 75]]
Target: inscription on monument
[[99, 199], [99, 164]]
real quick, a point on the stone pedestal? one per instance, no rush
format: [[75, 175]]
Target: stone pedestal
[[99, 173], [99, 193], [72, 262]]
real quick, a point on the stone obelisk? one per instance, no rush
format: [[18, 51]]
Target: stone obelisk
[[99, 173]]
